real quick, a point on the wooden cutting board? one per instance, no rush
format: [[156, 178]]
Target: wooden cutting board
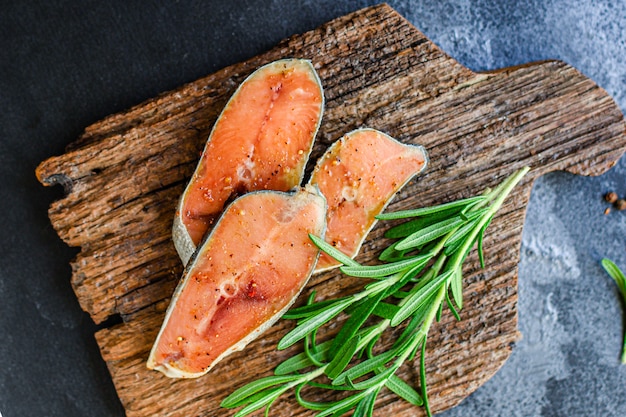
[[123, 176]]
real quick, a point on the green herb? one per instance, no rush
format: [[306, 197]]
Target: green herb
[[421, 270], [620, 280]]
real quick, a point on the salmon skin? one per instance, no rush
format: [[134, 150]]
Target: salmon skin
[[359, 175], [247, 272], [261, 141]]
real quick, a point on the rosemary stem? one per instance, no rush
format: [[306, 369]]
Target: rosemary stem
[[507, 187], [624, 351]]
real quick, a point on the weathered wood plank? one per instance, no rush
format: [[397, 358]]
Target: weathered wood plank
[[125, 173]]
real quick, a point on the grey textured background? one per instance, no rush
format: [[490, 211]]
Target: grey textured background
[[67, 64]]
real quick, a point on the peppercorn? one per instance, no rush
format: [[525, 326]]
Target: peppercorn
[[611, 197], [620, 204]]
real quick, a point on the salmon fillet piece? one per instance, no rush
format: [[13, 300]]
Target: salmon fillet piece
[[247, 272], [261, 141], [359, 175]]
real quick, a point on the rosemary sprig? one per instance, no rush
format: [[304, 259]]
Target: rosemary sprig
[[617, 274], [421, 269]]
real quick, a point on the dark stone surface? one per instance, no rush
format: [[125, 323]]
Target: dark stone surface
[[66, 64]]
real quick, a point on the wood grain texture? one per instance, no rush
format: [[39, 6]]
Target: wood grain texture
[[124, 175]]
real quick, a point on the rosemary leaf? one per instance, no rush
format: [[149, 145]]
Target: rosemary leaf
[[269, 405], [619, 278], [261, 402], [385, 310], [390, 254], [406, 277], [343, 406], [439, 313], [401, 294], [333, 252], [429, 233], [617, 275], [403, 390], [308, 310], [365, 367], [409, 330], [311, 405], [311, 350], [302, 360], [461, 233], [451, 307], [312, 323], [412, 226], [416, 300], [378, 271], [450, 249], [369, 349], [365, 407], [428, 210], [456, 285], [239, 396], [423, 380], [481, 235], [377, 379], [342, 358], [439, 229]]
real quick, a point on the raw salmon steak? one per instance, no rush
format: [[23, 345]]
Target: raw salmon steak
[[261, 141], [247, 272], [359, 175]]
